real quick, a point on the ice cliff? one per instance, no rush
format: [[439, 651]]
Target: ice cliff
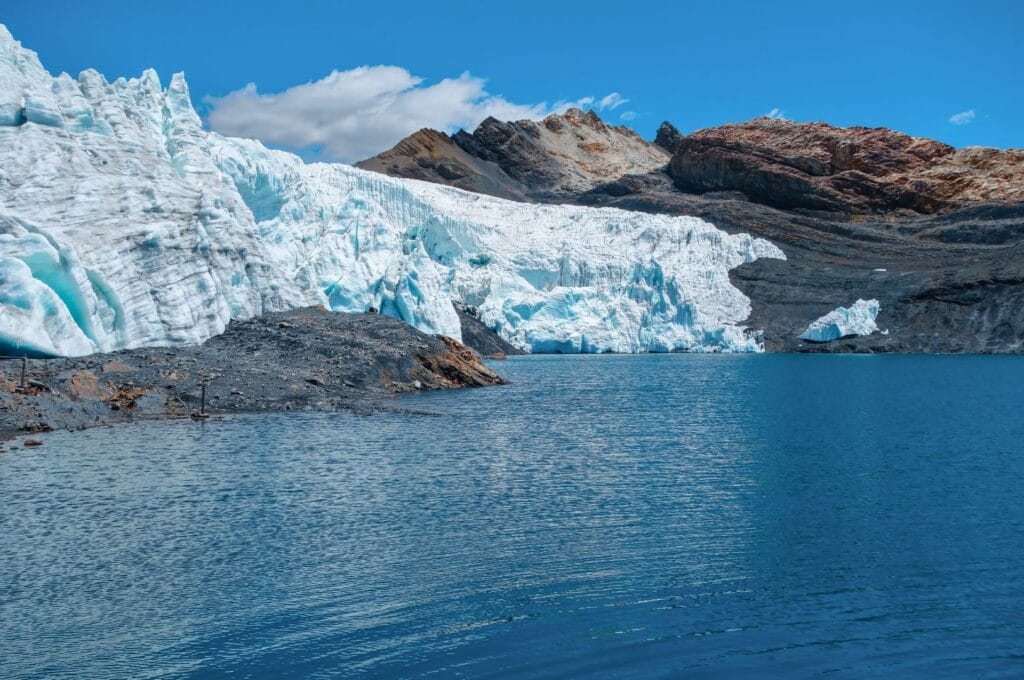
[[857, 319], [124, 223]]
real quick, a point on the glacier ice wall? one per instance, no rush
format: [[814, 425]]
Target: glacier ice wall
[[123, 223], [857, 319]]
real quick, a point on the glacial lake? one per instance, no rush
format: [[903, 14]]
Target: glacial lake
[[611, 516]]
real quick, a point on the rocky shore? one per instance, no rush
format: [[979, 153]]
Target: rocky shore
[[302, 360]]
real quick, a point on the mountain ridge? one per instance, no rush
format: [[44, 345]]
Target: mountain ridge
[[560, 156], [934, 233], [786, 164]]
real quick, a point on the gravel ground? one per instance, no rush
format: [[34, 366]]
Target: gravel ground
[[307, 359]]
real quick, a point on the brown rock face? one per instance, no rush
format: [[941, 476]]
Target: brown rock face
[[457, 366], [853, 170]]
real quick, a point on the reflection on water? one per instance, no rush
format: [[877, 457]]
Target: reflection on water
[[602, 516]]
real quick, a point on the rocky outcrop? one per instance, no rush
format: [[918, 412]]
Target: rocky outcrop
[[668, 137], [855, 170], [935, 234], [557, 158], [306, 359]]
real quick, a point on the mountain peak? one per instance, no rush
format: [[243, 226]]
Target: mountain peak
[[575, 116], [668, 136], [565, 153]]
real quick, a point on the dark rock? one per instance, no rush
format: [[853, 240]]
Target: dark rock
[[945, 294], [480, 338], [433, 157], [359, 360], [668, 137]]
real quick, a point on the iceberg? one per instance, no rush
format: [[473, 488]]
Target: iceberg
[[857, 319], [125, 223]]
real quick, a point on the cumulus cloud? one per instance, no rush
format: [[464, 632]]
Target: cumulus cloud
[[962, 118], [354, 114], [777, 114]]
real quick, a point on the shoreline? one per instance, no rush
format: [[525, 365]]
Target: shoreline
[[302, 360]]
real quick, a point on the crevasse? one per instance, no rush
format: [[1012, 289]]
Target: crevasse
[[124, 223]]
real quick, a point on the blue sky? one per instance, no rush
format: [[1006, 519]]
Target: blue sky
[[905, 65]]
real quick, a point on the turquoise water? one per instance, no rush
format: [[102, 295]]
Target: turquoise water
[[656, 516]]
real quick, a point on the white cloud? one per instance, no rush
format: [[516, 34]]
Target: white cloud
[[628, 115], [354, 114], [777, 114], [611, 102], [962, 118]]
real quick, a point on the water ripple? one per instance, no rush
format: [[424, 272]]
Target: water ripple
[[600, 517]]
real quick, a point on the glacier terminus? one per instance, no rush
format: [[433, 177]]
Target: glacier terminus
[[125, 223]]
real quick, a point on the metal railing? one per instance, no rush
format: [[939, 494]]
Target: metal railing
[[203, 383]]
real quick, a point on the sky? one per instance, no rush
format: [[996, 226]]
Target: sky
[[345, 80]]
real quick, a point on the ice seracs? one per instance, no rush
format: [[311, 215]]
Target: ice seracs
[[124, 223], [857, 319]]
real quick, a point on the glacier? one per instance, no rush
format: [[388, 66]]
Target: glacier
[[857, 319], [125, 223]]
